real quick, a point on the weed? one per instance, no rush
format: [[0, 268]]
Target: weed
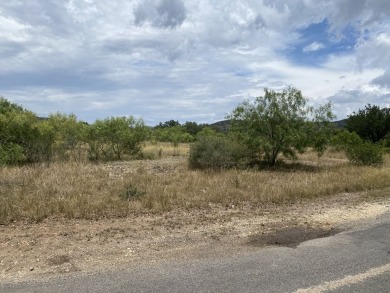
[[131, 192], [76, 190], [217, 153], [365, 153]]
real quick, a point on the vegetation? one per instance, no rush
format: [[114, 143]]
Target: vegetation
[[172, 131], [174, 134], [114, 137], [344, 139], [358, 151], [92, 191], [19, 134], [365, 153], [216, 152], [26, 139], [66, 135], [282, 123], [367, 136], [371, 123], [275, 125]]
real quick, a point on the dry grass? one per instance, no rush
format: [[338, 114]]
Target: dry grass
[[165, 149], [33, 193]]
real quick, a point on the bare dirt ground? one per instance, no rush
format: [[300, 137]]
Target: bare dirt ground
[[63, 246]]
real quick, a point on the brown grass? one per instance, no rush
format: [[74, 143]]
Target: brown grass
[[165, 149], [76, 190]]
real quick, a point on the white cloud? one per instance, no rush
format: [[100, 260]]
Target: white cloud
[[375, 53], [315, 46], [160, 13], [349, 101], [177, 59]]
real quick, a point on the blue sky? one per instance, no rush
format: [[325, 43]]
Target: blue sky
[[191, 60], [316, 43]]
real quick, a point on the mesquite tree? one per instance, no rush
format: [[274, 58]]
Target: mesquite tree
[[282, 123]]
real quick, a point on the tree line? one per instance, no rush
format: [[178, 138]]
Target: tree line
[[26, 138], [283, 125], [274, 126]]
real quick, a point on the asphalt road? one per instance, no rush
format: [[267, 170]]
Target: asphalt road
[[356, 260]]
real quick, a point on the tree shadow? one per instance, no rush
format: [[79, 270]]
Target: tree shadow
[[282, 166]]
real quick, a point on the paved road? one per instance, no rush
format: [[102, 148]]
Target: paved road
[[356, 260]]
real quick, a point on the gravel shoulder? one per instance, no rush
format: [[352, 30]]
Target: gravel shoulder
[[30, 251]]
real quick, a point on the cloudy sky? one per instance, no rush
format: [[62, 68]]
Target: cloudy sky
[[191, 60]]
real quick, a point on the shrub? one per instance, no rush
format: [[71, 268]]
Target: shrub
[[20, 137], [345, 139], [386, 144], [131, 192], [146, 155], [216, 152], [11, 154], [365, 153], [386, 141], [114, 137]]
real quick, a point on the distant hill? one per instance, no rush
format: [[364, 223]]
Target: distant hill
[[340, 123], [221, 126], [224, 125]]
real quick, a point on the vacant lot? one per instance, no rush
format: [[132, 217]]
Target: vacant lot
[[70, 217]]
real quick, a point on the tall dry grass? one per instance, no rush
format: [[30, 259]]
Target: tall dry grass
[[78, 190], [165, 149]]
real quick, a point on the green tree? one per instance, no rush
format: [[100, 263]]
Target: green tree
[[208, 132], [96, 141], [193, 128], [175, 134], [69, 135], [115, 136], [18, 133], [42, 149], [343, 139], [371, 123], [282, 123], [169, 123], [7, 107]]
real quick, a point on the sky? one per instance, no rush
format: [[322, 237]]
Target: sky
[[191, 60]]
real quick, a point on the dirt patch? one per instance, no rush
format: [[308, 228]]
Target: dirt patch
[[29, 251], [290, 236], [58, 260]]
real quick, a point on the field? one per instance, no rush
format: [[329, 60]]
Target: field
[[119, 189], [78, 216]]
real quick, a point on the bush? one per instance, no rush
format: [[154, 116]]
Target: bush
[[365, 153], [19, 136], [114, 137], [217, 152], [131, 192], [345, 139], [147, 155], [386, 141], [386, 144], [11, 154]]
